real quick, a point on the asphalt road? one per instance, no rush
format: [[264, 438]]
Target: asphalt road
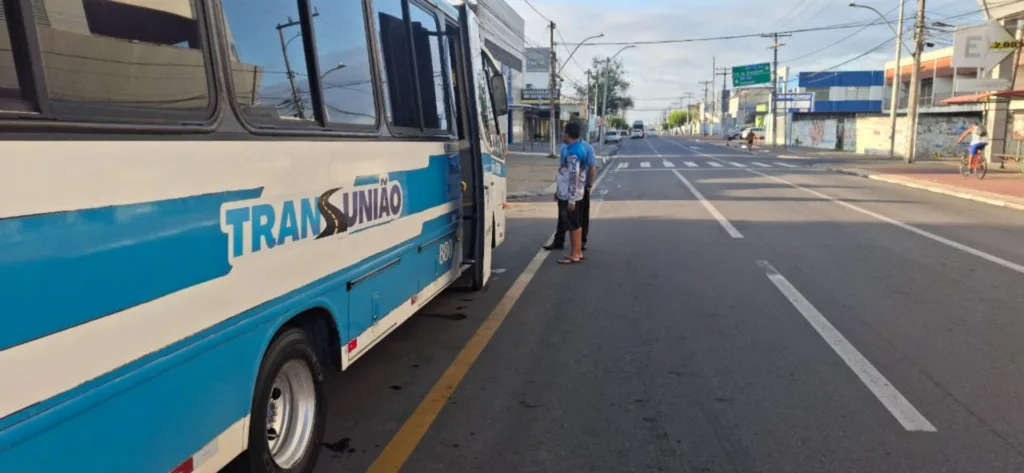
[[778, 319]]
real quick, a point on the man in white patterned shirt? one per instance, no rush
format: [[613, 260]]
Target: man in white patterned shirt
[[571, 185]]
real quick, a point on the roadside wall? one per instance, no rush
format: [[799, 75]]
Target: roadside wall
[[869, 133]]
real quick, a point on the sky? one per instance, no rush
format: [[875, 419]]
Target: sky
[[661, 71]]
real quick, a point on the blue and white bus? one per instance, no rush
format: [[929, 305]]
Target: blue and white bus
[[206, 204]]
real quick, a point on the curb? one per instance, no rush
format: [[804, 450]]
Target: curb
[[927, 187]]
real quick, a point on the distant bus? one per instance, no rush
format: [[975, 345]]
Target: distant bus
[[638, 129], [208, 204]]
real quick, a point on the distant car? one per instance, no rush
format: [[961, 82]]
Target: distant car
[[612, 136], [758, 133], [637, 133]]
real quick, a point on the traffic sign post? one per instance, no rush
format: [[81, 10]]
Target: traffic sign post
[[753, 74]]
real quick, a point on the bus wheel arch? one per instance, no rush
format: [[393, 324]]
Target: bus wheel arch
[[289, 386]]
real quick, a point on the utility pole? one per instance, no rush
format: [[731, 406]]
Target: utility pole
[[915, 88], [588, 105], [300, 110], [686, 111], [553, 119], [897, 84], [725, 73], [775, 75], [703, 115], [604, 104], [714, 103]]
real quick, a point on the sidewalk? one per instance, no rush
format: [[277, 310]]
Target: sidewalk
[[532, 174], [1001, 187]]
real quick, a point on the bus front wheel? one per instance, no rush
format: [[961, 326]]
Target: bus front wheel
[[288, 411]]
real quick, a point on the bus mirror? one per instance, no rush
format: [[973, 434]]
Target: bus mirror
[[499, 96]]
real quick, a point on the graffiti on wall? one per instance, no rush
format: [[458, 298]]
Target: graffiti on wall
[[815, 133], [937, 135], [848, 135]]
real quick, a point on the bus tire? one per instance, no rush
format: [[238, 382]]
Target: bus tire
[[288, 410]]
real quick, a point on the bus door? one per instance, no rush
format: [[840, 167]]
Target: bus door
[[476, 111], [470, 155]]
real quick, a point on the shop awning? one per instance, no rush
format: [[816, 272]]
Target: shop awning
[[984, 97]]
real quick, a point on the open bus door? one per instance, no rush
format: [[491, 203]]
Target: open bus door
[[477, 108]]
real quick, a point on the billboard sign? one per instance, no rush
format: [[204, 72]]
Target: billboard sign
[[983, 46], [752, 74], [538, 60], [795, 103], [539, 96]]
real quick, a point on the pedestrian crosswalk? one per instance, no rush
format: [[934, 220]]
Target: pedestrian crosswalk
[[706, 164]]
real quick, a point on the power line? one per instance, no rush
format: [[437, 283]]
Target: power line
[[835, 43], [840, 26], [741, 36], [789, 15], [876, 48], [826, 7], [527, 2]]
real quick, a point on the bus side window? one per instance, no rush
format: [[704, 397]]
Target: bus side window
[[139, 55], [268, 60], [427, 49], [458, 106], [396, 58], [10, 92], [344, 59]]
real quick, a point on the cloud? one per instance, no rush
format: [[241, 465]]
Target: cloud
[[670, 70]]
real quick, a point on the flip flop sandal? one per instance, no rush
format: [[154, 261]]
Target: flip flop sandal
[[569, 261]]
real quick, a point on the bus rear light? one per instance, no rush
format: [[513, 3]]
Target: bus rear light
[[185, 467], [353, 345]]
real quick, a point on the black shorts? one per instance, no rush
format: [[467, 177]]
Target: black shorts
[[570, 220]]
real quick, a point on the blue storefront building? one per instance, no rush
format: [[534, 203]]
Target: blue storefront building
[[844, 91]]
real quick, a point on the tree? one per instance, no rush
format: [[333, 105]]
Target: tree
[[618, 86], [677, 118], [617, 123]]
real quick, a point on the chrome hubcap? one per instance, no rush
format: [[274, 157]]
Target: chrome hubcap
[[291, 410]]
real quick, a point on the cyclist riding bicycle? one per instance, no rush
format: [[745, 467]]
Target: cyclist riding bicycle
[[979, 139]]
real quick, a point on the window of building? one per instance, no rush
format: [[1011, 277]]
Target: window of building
[[396, 58], [820, 94], [429, 66], [344, 60], [10, 91], [268, 60], [143, 54]]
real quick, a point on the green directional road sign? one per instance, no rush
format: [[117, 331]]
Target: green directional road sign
[[752, 74]]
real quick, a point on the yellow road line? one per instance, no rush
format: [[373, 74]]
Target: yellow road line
[[409, 435]]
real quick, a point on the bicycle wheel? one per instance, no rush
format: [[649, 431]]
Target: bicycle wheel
[[981, 169]]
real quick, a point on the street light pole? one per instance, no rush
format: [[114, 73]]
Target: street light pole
[[566, 62], [552, 91], [897, 80], [604, 95]]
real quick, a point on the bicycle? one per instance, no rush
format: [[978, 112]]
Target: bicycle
[[972, 164]]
